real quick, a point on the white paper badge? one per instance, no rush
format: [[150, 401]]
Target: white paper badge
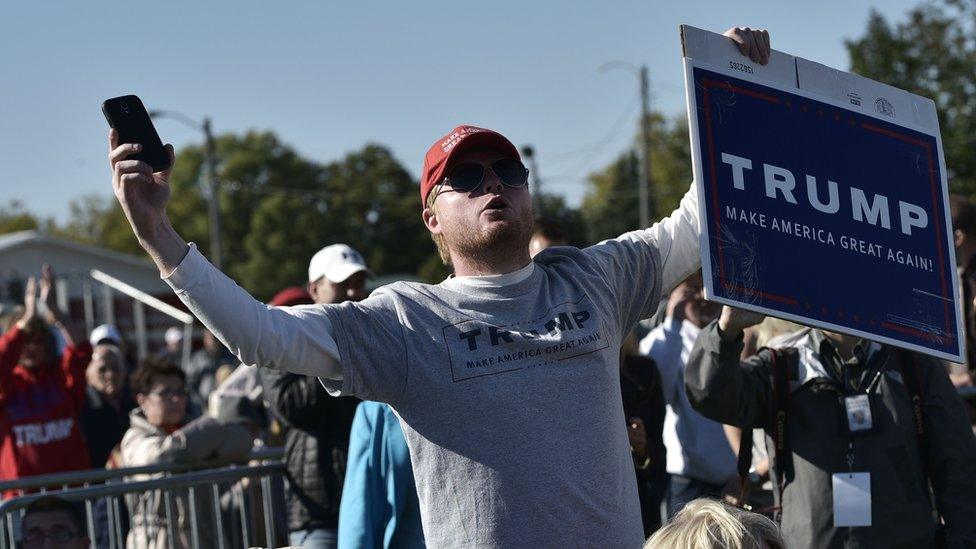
[[852, 499], [858, 413]]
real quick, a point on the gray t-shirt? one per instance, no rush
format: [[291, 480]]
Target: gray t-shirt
[[510, 396]]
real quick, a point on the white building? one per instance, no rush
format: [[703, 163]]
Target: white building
[[86, 299]]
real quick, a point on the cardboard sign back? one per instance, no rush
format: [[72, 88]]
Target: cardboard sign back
[[719, 50]]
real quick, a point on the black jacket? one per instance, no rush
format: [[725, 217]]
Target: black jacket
[[741, 393], [103, 425], [640, 389], [316, 441]]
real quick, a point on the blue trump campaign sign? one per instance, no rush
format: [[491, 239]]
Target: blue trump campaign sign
[[822, 213]]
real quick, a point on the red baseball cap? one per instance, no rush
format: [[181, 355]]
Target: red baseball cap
[[440, 154], [294, 295]]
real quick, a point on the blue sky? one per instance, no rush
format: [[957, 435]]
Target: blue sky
[[328, 77]]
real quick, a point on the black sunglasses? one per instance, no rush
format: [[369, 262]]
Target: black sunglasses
[[468, 176]]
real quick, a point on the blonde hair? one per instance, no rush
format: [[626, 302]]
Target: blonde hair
[[710, 524], [438, 238]]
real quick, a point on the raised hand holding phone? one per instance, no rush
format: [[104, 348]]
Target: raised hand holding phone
[[128, 116], [143, 195]]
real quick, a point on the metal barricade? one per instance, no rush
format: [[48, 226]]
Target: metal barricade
[[227, 507], [88, 477]]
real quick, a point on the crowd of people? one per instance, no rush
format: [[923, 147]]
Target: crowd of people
[[350, 481], [543, 395]]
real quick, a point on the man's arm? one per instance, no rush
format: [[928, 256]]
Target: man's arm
[[285, 338], [202, 439], [721, 387], [677, 240], [78, 351]]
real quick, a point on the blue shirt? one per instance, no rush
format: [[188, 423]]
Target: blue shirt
[[696, 445]]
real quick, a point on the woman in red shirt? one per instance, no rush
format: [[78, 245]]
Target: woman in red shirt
[[41, 393]]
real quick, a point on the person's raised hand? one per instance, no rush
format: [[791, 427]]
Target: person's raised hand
[[753, 43], [142, 194], [30, 303], [677, 301], [48, 294], [734, 320]]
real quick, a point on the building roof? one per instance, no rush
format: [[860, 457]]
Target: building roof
[[12, 241]]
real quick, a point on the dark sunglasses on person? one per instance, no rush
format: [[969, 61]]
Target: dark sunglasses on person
[[468, 176]]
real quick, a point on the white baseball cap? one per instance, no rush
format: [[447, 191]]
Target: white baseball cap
[[105, 332], [173, 335], [336, 263]]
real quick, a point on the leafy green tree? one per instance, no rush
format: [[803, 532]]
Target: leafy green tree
[[670, 164], [13, 218], [278, 208], [286, 232], [86, 218], [377, 204], [611, 206], [931, 53], [367, 200], [103, 221], [554, 208]]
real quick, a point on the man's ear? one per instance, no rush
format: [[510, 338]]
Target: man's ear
[[140, 399], [958, 238], [431, 221]]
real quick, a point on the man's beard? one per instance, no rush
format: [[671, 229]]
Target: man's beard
[[495, 243]]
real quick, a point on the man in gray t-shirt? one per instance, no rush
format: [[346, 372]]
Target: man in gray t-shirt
[[505, 377]]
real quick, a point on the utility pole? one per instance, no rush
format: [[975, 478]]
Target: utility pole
[[212, 187], [213, 205], [644, 190], [529, 153], [645, 196]]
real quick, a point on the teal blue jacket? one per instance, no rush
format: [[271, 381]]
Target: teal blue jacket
[[379, 506]]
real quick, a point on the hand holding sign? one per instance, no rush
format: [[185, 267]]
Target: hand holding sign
[[734, 320], [753, 43], [823, 195]]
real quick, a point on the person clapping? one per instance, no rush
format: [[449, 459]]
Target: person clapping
[[41, 390]]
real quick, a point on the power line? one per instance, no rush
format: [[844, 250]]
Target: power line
[[610, 136]]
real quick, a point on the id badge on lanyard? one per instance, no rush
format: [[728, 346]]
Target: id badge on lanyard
[[852, 499], [860, 418], [859, 408], [851, 493]]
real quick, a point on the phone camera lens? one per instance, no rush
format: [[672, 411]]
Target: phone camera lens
[[125, 106]]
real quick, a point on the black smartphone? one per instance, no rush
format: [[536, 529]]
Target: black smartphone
[[130, 118]]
